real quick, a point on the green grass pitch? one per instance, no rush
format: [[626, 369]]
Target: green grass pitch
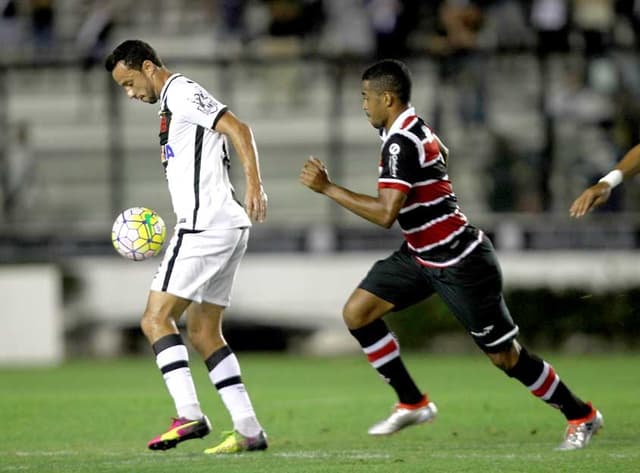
[[96, 416]]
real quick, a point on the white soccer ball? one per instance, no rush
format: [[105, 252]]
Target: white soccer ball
[[138, 233]]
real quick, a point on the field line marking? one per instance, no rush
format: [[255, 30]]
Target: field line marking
[[354, 454]]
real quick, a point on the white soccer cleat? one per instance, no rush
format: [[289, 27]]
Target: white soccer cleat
[[580, 431], [403, 416]]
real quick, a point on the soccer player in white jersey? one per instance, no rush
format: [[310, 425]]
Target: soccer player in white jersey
[[203, 255]]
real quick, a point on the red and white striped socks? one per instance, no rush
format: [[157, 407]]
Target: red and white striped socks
[[541, 379], [383, 352]]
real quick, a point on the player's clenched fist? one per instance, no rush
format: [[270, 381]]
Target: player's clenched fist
[[314, 175]]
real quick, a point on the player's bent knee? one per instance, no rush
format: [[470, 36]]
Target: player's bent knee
[[356, 316], [506, 357], [362, 310], [352, 316], [210, 334], [499, 361], [152, 320]]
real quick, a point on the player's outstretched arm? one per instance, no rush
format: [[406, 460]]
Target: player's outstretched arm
[[381, 210], [599, 193], [255, 199]]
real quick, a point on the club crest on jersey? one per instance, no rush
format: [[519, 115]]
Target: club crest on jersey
[[165, 122], [204, 102]]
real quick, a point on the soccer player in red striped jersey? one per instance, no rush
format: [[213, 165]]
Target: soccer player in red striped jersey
[[442, 253]]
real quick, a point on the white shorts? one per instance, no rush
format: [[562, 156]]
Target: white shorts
[[200, 265]]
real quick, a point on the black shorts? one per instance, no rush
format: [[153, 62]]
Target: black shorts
[[472, 289]]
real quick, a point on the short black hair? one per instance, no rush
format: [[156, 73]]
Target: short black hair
[[390, 75], [133, 52]]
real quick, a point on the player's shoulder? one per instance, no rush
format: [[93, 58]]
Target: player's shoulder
[[400, 142], [183, 87], [188, 95]]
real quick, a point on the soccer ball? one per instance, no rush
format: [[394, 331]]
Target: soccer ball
[[138, 233]]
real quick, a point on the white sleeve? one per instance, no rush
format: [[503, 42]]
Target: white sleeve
[[195, 105]]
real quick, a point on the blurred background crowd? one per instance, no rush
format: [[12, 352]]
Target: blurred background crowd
[[536, 98]]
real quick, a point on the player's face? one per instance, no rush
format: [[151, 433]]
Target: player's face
[[136, 84], [373, 105]]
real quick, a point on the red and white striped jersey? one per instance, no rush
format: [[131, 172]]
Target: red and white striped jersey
[[436, 232]]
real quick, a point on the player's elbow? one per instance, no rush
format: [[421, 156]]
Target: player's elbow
[[387, 219], [386, 223], [243, 130]]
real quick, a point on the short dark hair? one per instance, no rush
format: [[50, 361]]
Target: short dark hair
[[390, 75], [133, 53]]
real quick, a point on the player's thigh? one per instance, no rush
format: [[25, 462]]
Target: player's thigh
[[472, 289], [204, 317], [397, 280], [217, 289], [166, 304], [363, 307], [194, 259]]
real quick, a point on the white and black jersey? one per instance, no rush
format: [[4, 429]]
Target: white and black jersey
[[196, 159]]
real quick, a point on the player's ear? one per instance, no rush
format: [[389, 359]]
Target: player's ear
[[148, 67], [388, 98]]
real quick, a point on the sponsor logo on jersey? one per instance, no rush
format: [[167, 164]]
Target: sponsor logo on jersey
[[394, 149], [166, 153]]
